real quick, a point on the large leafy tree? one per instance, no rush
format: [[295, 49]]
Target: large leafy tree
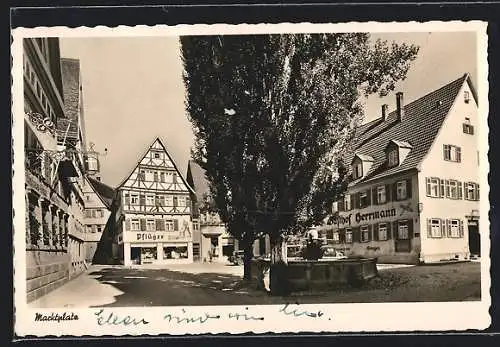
[[272, 115]]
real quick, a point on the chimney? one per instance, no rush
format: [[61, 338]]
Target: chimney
[[384, 111], [400, 106]]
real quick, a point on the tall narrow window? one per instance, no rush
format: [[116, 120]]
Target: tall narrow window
[[162, 177], [382, 231], [466, 96], [393, 158], [348, 236], [364, 233], [401, 193], [155, 176], [347, 202], [381, 195]]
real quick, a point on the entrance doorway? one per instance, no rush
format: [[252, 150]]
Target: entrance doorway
[[214, 246], [474, 239], [135, 255]]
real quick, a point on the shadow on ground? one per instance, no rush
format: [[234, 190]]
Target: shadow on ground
[[161, 287]]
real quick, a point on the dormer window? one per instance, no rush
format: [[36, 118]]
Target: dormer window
[[393, 157], [396, 152], [357, 170]]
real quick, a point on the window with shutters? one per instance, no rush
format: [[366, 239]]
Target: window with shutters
[[452, 153], [393, 157], [381, 195], [433, 184], [347, 202], [403, 233], [434, 226], [453, 189], [382, 231], [134, 225], [454, 228], [363, 199], [348, 236], [364, 233], [169, 225], [471, 191], [401, 192], [150, 225]]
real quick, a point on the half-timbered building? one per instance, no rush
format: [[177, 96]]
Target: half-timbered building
[[154, 212]]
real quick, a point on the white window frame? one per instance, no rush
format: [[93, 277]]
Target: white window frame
[[135, 225], [150, 200], [363, 195], [134, 199], [381, 195], [452, 184], [348, 236], [454, 225], [435, 184], [169, 225], [382, 230], [357, 170], [436, 228], [403, 229], [364, 233], [347, 202], [452, 153], [401, 193]]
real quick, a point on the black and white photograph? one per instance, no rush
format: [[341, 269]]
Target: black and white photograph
[[227, 178]]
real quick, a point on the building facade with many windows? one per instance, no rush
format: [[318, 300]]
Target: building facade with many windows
[[413, 194], [152, 212], [52, 170]]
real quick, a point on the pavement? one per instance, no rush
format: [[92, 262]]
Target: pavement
[[221, 284]]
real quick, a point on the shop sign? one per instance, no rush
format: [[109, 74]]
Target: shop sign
[[363, 217], [150, 236]]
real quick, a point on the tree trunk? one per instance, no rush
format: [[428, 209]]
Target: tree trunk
[[247, 260], [278, 272]]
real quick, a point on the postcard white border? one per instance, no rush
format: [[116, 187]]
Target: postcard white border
[[366, 317]]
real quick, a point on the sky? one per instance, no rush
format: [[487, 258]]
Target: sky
[[133, 90]]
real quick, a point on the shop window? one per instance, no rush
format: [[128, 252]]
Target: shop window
[[452, 153], [382, 231], [364, 233], [148, 255], [135, 225], [401, 192], [175, 252], [348, 236], [381, 195], [393, 157], [435, 228]]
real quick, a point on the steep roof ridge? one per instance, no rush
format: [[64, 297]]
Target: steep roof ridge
[[104, 192]]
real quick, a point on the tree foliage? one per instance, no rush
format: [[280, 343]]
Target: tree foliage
[[273, 113]]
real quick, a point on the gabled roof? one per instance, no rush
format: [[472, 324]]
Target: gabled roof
[[169, 157], [422, 120], [362, 157], [105, 193], [401, 144], [196, 177]]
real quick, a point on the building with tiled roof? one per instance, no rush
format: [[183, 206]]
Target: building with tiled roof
[[413, 194], [211, 241]]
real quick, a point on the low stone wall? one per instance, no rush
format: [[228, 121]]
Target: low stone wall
[[321, 274], [45, 271]]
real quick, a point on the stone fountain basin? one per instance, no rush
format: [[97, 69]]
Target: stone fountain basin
[[320, 274]]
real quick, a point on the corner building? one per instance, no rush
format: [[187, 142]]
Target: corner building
[[153, 212], [413, 195]]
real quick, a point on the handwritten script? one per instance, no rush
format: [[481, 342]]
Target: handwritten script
[[103, 318]]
